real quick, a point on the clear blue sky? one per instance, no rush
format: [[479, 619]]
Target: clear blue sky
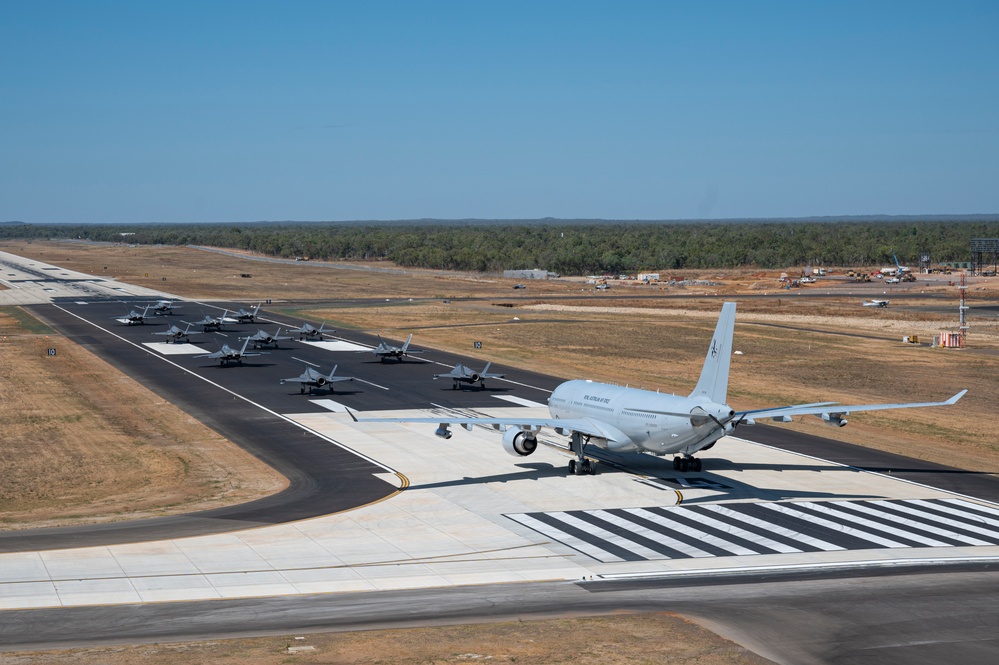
[[243, 111]]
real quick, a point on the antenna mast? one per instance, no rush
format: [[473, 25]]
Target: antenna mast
[[963, 310]]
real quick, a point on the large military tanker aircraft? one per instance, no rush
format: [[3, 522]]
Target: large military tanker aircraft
[[622, 419]]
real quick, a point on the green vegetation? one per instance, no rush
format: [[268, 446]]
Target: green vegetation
[[25, 322], [567, 247]]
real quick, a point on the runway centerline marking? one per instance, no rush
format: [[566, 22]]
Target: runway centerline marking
[[371, 384]]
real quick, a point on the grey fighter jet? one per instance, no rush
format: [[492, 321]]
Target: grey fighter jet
[[164, 307], [243, 316], [308, 331], [384, 350], [134, 317], [462, 374], [209, 322], [176, 334], [261, 338], [312, 379], [227, 354]]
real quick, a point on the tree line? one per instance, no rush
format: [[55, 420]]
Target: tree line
[[569, 248]]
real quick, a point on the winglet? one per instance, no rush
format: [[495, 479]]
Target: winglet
[[953, 400]]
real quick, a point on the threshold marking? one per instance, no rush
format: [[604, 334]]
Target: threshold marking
[[339, 346], [181, 349], [742, 529]]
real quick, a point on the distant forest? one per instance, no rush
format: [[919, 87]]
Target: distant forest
[[569, 248]]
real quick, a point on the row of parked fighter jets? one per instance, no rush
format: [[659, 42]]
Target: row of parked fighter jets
[[311, 378]]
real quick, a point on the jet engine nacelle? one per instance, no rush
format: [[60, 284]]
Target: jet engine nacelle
[[443, 432], [519, 443], [474, 377], [834, 419], [321, 381]]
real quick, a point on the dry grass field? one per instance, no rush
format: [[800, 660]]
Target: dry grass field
[[614, 640], [83, 443]]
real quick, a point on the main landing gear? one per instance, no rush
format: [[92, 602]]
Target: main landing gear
[[684, 464], [580, 466]]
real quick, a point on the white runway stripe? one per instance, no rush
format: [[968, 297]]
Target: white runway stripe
[[706, 537], [610, 537], [775, 528], [967, 525], [977, 506], [563, 537], [835, 526], [745, 534], [924, 525], [833, 509], [661, 538], [663, 533]]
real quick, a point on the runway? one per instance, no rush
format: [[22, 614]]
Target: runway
[[245, 403], [470, 515]]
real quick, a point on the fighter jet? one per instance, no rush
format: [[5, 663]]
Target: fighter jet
[[164, 307], [209, 322], [307, 331], [384, 350], [242, 316], [462, 374], [312, 379], [134, 317], [176, 334], [876, 303], [261, 338], [227, 354]]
